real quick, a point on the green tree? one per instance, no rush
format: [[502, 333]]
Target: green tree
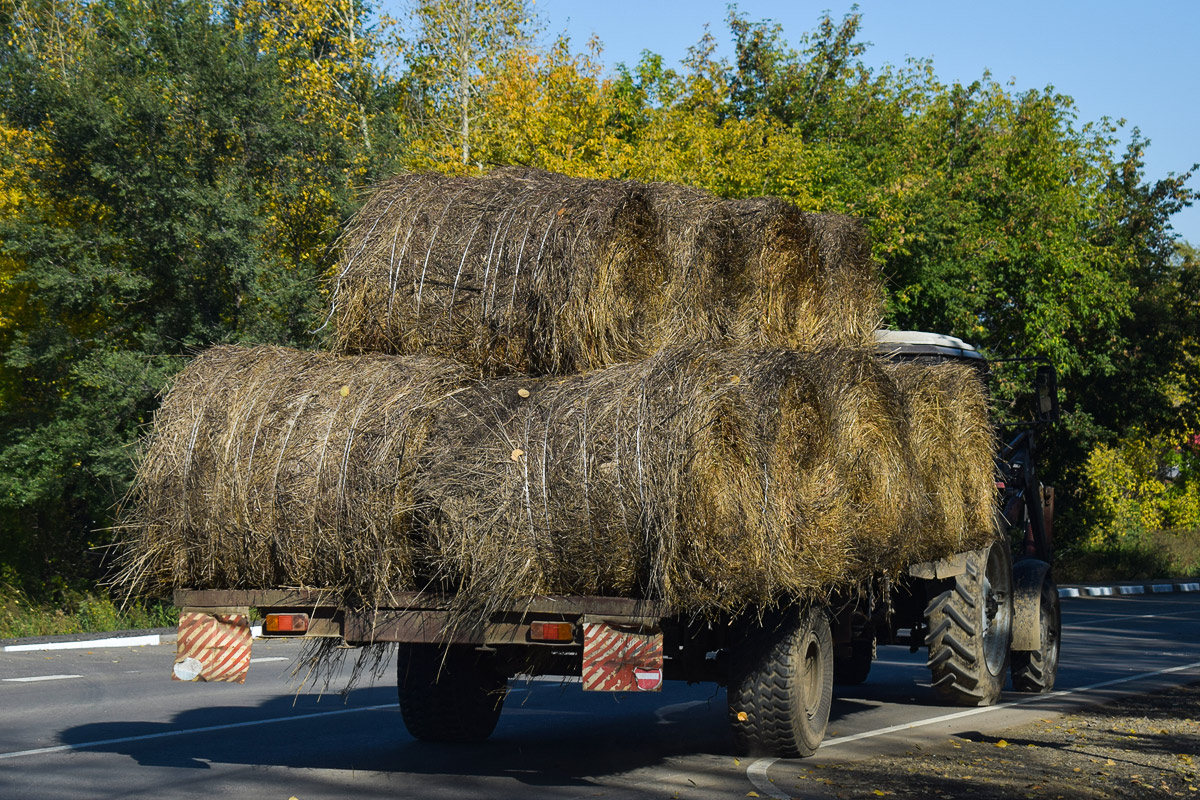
[[191, 175]]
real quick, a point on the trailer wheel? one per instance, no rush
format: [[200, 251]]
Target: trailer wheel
[[853, 669], [1036, 670], [782, 687], [970, 629], [452, 695]]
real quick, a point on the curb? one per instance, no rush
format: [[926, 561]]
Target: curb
[[1128, 589], [80, 642]]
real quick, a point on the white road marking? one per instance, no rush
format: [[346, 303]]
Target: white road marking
[[661, 713], [207, 729], [264, 659], [1037, 698], [1174, 615], [42, 678], [757, 774]]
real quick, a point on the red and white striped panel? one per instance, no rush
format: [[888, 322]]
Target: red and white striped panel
[[615, 660], [212, 647]]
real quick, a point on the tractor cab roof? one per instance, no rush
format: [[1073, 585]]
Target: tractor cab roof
[[903, 345]]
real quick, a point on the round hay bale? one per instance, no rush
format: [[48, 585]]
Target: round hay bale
[[712, 480], [529, 272], [270, 467], [514, 274], [800, 280], [954, 445]]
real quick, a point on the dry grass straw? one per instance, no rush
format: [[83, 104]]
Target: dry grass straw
[[528, 272], [954, 446], [270, 467], [518, 274], [712, 480]]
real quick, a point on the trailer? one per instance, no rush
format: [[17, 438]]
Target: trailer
[[982, 615]]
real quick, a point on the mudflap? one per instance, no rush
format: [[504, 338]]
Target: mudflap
[[212, 646], [621, 658]]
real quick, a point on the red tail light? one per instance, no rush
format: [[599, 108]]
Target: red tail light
[[552, 631], [285, 623]]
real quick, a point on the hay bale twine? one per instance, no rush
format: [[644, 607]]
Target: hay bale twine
[[270, 467]]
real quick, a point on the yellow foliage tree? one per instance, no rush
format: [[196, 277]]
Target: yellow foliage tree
[[324, 51], [1141, 483], [454, 51]]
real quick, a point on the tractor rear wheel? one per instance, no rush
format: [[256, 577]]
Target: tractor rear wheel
[[969, 629]]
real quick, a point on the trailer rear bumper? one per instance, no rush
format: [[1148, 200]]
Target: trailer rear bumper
[[614, 644]]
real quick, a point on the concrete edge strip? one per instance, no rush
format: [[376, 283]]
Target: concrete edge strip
[[1110, 591], [117, 641], [207, 729], [87, 644]]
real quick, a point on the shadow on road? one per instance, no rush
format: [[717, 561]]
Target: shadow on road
[[547, 735]]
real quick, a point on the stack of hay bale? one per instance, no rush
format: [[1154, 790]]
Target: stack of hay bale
[[547, 385]]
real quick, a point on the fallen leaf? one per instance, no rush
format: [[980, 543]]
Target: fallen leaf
[[345, 391], [742, 716], [1002, 743], [516, 454], [1110, 763], [751, 794], [523, 392]]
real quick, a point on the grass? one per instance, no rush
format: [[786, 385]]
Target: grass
[[76, 612], [1169, 554]]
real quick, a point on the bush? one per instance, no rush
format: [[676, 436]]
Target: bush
[[76, 612], [1140, 485]]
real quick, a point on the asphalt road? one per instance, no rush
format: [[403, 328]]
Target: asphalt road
[[109, 723]]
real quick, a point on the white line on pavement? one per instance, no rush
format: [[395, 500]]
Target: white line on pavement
[[207, 729], [757, 773], [42, 678], [1037, 698], [1089, 623]]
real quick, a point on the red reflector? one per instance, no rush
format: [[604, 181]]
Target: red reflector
[[552, 631], [286, 623]]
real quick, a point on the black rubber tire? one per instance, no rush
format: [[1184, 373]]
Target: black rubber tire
[[781, 687], [1036, 670], [969, 630], [853, 669], [450, 695]]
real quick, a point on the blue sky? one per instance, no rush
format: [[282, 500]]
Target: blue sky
[[1131, 60]]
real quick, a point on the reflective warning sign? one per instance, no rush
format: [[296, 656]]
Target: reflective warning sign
[[212, 647], [617, 659]]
